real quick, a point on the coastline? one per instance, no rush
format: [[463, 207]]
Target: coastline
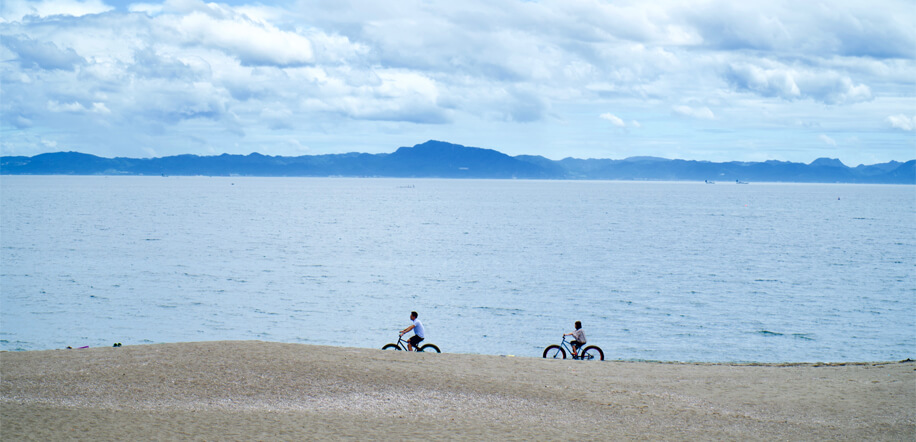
[[244, 390]]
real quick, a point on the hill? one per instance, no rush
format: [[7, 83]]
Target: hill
[[437, 159]]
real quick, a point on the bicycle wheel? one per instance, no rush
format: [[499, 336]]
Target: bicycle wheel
[[391, 347], [592, 353], [430, 348], [554, 352]]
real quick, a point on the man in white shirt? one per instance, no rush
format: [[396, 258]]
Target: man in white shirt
[[419, 333]]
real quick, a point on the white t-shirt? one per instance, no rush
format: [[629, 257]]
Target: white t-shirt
[[418, 328], [579, 335]]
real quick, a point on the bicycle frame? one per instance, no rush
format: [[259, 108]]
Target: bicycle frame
[[403, 344], [567, 347]]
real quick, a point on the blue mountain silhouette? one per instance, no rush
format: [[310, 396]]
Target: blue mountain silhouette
[[438, 159]]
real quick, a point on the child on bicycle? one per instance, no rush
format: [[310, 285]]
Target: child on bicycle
[[419, 333], [578, 338]]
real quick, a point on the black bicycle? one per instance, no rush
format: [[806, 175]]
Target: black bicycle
[[588, 353], [402, 345]]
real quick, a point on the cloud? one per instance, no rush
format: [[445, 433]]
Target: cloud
[[387, 95], [827, 140], [766, 82], [615, 120], [701, 113], [902, 122], [98, 108], [17, 10], [844, 28], [254, 43], [520, 105], [148, 8], [42, 55], [860, 29], [733, 25], [787, 83], [833, 88], [296, 145]]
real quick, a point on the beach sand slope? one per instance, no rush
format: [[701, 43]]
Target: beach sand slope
[[251, 390]]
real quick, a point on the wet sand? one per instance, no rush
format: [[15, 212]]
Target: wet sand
[[250, 390]]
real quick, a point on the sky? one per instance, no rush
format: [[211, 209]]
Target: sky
[[711, 80]]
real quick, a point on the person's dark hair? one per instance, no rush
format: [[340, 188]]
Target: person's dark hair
[[578, 325], [414, 314]]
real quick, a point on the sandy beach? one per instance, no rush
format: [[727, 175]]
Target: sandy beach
[[251, 390]]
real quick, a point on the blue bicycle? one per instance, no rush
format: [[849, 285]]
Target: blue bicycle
[[588, 353]]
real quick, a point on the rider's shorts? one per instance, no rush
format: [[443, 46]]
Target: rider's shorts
[[415, 340], [577, 343]]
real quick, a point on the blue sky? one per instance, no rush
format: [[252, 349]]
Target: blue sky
[[700, 80]]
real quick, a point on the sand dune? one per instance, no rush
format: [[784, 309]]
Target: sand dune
[[253, 390]]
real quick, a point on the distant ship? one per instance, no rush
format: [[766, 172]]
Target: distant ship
[[709, 182], [740, 182]]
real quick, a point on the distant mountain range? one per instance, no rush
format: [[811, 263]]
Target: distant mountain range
[[437, 159]]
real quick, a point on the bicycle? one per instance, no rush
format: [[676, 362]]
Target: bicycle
[[589, 353], [402, 345]]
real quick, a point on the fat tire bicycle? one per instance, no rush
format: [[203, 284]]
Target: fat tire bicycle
[[588, 353], [402, 345]]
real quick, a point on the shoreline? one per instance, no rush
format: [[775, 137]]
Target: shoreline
[[242, 390], [826, 363]]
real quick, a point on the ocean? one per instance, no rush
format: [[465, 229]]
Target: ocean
[[670, 271]]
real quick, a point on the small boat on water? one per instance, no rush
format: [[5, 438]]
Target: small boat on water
[[740, 182], [709, 182]]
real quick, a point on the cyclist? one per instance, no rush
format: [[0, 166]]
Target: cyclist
[[419, 333], [578, 338]]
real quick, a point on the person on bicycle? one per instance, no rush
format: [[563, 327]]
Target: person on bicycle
[[578, 338], [419, 334]]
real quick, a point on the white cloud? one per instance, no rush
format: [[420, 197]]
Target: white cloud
[[54, 106], [148, 8], [902, 122], [296, 145], [17, 10], [827, 140], [252, 42], [844, 28], [833, 88], [766, 82], [401, 96], [702, 113], [97, 108], [777, 80], [45, 55], [615, 120], [618, 122]]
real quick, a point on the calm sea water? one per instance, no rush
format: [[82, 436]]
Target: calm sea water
[[655, 271]]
